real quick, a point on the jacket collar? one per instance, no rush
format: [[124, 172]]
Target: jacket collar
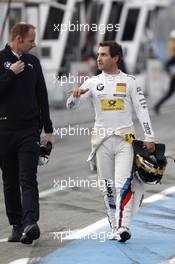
[[10, 52]]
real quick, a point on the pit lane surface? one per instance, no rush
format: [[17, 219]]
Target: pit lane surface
[[152, 238], [74, 208]]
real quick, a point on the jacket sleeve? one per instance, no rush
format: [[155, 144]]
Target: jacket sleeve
[[6, 78], [141, 110], [74, 102], [42, 96]]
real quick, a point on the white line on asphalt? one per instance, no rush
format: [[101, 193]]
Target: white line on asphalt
[[24, 261], [20, 261], [3, 240], [51, 191], [87, 230], [152, 198], [159, 196], [169, 261]]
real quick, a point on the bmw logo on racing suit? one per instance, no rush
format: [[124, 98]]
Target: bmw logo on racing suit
[[100, 87]]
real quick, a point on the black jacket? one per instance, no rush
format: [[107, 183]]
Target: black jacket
[[23, 97]]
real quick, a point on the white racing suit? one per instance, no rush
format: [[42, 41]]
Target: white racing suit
[[112, 97]]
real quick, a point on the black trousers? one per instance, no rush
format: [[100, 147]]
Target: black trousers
[[19, 152]]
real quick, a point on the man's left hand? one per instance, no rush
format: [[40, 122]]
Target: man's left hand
[[149, 145], [49, 137]]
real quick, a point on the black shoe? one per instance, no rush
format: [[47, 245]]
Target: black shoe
[[31, 232], [16, 234], [124, 234]]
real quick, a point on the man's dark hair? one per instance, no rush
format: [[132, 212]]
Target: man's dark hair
[[114, 48]]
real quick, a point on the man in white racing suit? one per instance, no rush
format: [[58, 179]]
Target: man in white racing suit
[[113, 93]]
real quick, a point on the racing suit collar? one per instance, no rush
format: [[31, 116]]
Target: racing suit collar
[[112, 75]]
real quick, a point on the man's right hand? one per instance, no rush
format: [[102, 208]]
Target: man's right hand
[[17, 67], [79, 91]]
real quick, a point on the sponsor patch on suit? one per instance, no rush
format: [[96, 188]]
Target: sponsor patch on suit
[[112, 104], [121, 87]]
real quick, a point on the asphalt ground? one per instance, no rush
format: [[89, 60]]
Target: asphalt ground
[[75, 207]]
